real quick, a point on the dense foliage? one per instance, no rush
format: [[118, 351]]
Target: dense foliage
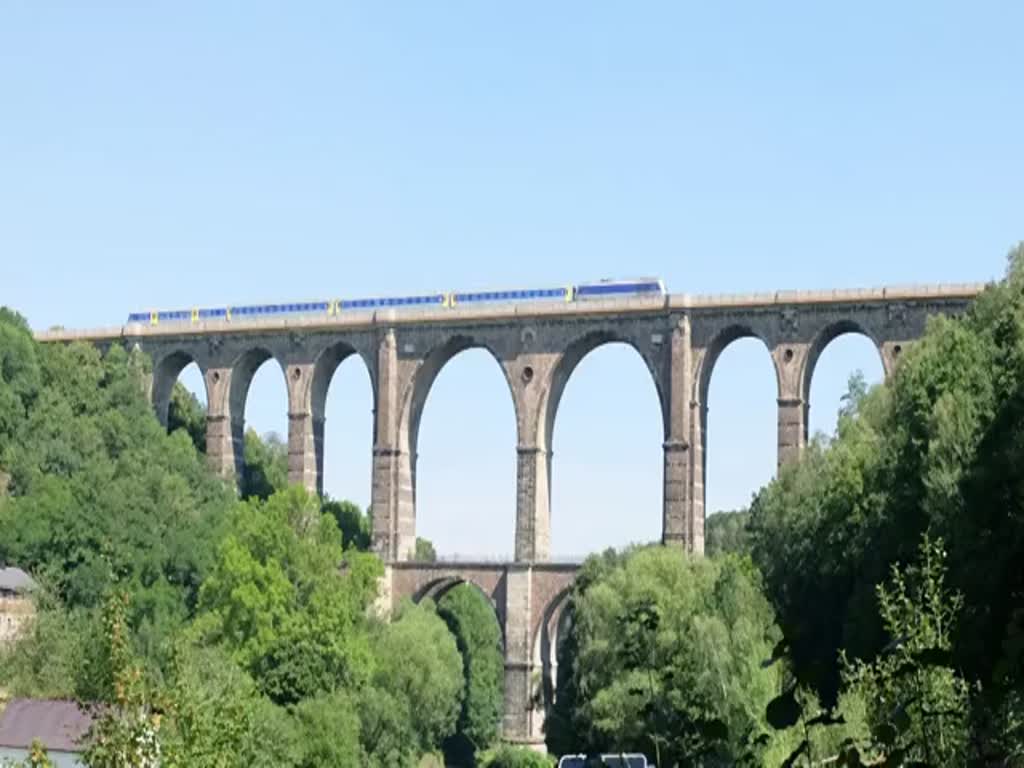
[[726, 533], [212, 630], [507, 756], [937, 451], [470, 617], [97, 492], [667, 658]]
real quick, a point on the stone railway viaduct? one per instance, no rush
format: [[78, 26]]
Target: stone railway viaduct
[[537, 346]]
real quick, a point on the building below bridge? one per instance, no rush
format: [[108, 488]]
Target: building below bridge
[[16, 604], [59, 726]]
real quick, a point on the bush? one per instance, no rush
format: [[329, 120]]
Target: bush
[[508, 756]]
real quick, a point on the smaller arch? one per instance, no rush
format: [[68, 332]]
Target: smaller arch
[[324, 368], [546, 641], [166, 371], [826, 336], [439, 587], [243, 369], [315, 394], [714, 350]]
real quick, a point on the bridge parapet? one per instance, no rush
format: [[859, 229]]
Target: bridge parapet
[[482, 313]]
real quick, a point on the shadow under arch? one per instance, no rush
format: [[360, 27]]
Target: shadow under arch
[[438, 588], [826, 336], [415, 396], [554, 626], [563, 371], [166, 371]]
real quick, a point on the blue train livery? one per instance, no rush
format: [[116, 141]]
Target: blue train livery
[[603, 290]]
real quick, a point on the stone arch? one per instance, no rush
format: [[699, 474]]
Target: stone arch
[[539, 432], [714, 350], [569, 361], [418, 388], [243, 368], [546, 638], [324, 368], [705, 363], [166, 371], [436, 589], [308, 388], [826, 336]]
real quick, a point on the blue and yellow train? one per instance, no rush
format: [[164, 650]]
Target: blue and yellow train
[[605, 289]]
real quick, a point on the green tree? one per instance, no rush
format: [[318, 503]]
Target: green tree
[[471, 620], [508, 756], [353, 524], [20, 378], [726, 533], [280, 602], [50, 658], [669, 652], [937, 450], [126, 730], [566, 729], [216, 717], [266, 465], [916, 704], [907, 706], [425, 552], [99, 493], [187, 413], [328, 728], [413, 702]]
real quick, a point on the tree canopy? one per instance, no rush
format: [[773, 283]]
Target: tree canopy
[[470, 618], [936, 451], [668, 652]]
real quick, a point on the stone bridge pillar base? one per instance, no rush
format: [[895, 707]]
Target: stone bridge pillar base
[[517, 720]]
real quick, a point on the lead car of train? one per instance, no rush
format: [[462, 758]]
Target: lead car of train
[[604, 289]]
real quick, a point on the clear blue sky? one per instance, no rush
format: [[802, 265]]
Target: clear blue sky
[[174, 154]]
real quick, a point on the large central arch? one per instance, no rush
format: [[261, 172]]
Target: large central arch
[[570, 360], [562, 372], [415, 397], [706, 362]]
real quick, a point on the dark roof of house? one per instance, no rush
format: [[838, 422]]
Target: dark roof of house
[[59, 725], [15, 580]]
